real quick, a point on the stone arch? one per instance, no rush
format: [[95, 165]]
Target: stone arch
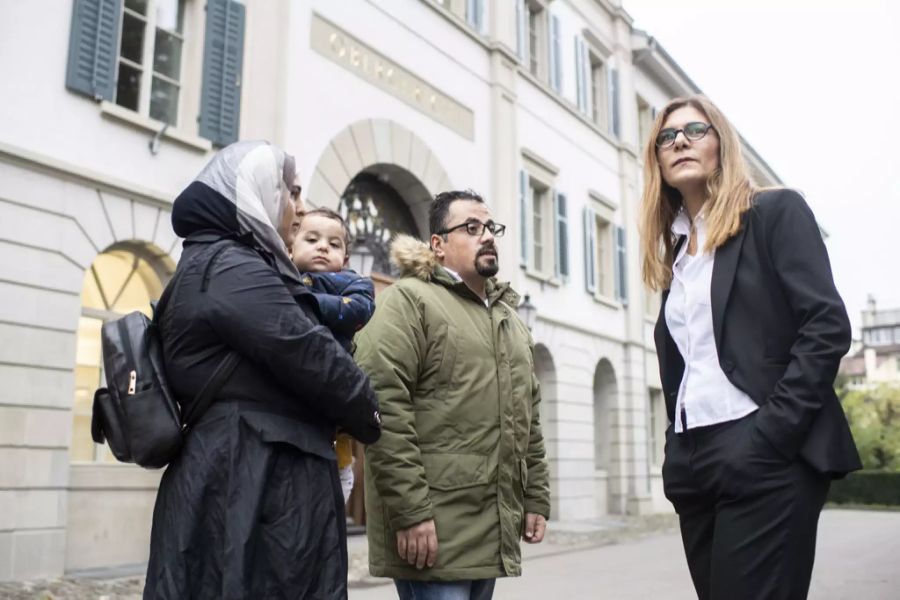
[[605, 397], [384, 148], [131, 273]]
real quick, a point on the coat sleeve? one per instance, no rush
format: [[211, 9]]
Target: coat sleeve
[[346, 303], [390, 349], [801, 264], [537, 490], [253, 312]]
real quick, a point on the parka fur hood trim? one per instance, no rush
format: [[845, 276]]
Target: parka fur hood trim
[[413, 257]]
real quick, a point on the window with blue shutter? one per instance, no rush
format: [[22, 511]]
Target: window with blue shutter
[[621, 267], [475, 14], [580, 80], [523, 218], [590, 250], [614, 121], [555, 55], [220, 105], [522, 31], [561, 264], [94, 48]]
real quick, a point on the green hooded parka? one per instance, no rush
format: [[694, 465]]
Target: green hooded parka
[[461, 438]]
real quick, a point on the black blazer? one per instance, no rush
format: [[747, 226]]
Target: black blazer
[[780, 329]]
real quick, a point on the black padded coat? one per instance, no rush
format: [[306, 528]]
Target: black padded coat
[[252, 508]]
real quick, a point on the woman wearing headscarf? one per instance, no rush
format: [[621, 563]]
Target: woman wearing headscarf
[[749, 339], [252, 508]]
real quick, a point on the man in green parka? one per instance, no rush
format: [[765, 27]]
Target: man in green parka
[[460, 473]]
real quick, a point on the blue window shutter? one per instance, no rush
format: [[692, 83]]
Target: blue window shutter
[[590, 250], [562, 235], [475, 14], [223, 57], [621, 267], [579, 76], [521, 31], [94, 48], [555, 55], [523, 218], [614, 125], [588, 81]]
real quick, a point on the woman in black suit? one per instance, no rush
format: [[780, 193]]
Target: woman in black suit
[[749, 338]]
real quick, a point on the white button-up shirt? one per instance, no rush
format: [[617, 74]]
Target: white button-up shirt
[[705, 396]]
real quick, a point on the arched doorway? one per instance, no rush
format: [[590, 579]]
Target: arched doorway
[[106, 498], [376, 210], [605, 394], [381, 177], [124, 278], [545, 370]]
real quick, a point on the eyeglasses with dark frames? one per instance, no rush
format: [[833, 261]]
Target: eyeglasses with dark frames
[[693, 131], [476, 228]]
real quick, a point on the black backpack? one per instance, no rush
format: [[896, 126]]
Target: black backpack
[[137, 414]]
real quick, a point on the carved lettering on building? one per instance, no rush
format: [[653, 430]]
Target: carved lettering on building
[[339, 46]]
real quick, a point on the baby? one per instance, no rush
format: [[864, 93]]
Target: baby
[[346, 300]]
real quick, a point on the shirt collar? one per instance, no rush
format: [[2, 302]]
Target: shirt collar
[[453, 274], [682, 223]]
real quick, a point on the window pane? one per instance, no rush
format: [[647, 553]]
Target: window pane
[[90, 293], [138, 6], [537, 230], [88, 377], [170, 14], [128, 87], [167, 55], [164, 101], [533, 40], [132, 46]]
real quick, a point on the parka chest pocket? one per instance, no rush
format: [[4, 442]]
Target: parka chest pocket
[[446, 367]]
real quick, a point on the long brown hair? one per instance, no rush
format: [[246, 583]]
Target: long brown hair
[[729, 193]]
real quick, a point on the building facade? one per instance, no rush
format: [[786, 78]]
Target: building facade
[[541, 106], [874, 360]]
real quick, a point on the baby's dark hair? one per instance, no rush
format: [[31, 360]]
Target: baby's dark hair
[[327, 212]]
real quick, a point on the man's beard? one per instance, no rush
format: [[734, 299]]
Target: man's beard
[[489, 269]]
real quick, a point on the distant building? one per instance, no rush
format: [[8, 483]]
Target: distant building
[[876, 359]]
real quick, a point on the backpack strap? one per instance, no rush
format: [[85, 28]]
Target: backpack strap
[[223, 371], [206, 396]]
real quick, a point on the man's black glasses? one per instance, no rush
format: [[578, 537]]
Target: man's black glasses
[[476, 228]]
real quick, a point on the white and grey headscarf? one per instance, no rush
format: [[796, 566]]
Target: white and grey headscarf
[[240, 191]]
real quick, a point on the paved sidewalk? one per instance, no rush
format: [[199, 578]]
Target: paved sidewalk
[[858, 554], [617, 559]]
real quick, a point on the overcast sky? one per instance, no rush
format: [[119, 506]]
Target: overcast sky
[[814, 87]]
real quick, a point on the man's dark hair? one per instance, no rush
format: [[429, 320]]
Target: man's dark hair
[[440, 207], [327, 212]]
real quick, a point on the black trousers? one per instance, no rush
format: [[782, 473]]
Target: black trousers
[[748, 515]]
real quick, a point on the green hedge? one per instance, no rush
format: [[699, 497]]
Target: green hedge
[[867, 487]]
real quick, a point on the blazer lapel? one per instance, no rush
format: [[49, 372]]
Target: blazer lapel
[[724, 269]]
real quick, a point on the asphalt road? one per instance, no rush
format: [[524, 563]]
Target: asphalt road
[[858, 558]]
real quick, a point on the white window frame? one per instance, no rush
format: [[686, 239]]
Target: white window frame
[[147, 56], [657, 422], [645, 124], [537, 48], [540, 200], [598, 79], [604, 224], [540, 176]]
